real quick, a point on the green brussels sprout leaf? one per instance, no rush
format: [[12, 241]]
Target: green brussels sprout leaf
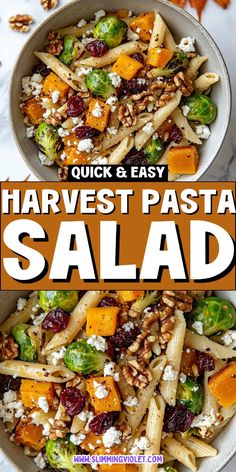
[[64, 299], [111, 29], [99, 83], [214, 313], [27, 350], [69, 50], [82, 357], [60, 455], [190, 394], [177, 63], [154, 150], [202, 109], [48, 140]]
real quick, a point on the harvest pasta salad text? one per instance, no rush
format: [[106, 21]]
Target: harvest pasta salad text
[[127, 372], [119, 89]]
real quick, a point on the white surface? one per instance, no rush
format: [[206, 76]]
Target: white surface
[[224, 167]]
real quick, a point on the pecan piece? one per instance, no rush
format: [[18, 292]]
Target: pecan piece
[[184, 84], [8, 348], [136, 374], [58, 430], [127, 115], [179, 299], [55, 45], [20, 23], [142, 347], [48, 4]]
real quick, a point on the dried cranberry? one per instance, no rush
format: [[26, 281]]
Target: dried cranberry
[[124, 338], [75, 106], [73, 400], [97, 48], [8, 382], [56, 320], [134, 85], [83, 132], [41, 69], [175, 134], [101, 423], [111, 350], [135, 157], [204, 362], [108, 301], [177, 419], [138, 57]]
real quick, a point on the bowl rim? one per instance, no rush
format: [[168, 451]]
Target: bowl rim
[[168, 4]]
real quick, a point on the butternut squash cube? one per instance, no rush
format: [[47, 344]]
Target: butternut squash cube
[[110, 402], [74, 157], [222, 385], [29, 434], [143, 25], [91, 442], [101, 321], [32, 390], [159, 57], [98, 114], [130, 295], [183, 160], [126, 67], [33, 110], [52, 84], [115, 467]]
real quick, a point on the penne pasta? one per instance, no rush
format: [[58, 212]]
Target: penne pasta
[[194, 65], [197, 446], [158, 33], [113, 54], [79, 32], [121, 150], [205, 81], [183, 124], [125, 131], [34, 371], [204, 344], [22, 316], [180, 452], [169, 41]]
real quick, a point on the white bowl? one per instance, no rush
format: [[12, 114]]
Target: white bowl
[[179, 21], [225, 442]]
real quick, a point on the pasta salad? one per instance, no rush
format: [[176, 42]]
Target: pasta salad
[[119, 89], [119, 372]]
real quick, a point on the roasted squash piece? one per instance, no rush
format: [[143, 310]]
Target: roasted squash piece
[[102, 321], [109, 403], [98, 114], [115, 467], [183, 160], [222, 385], [52, 84], [143, 25], [74, 157], [29, 434], [91, 442], [32, 390], [126, 67], [33, 110], [130, 295], [159, 57]]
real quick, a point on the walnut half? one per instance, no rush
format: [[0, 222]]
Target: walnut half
[[20, 23]]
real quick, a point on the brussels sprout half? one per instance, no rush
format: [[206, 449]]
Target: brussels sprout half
[[167, 468], [27, 350], [110, 29], [60, 455], [64, 299], [48, 140], [190, 394], [82, 357], [68, 53], [202, 109], [214, 313], [177, 63], [99, 83], [154, 150]]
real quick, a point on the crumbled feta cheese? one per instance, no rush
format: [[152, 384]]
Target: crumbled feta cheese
[[100, 160], [83, 71], [57, 355], [141, 81], [10, 407], [112, 102], [203, 131], [55, 96], [140, 444], [187, 350], [97, 110], [39, 319], [131, 401], [182, 378], [9, 396], [77, 439], [100, 390], [84, 415], [21, 302], [111, 437], [128, 326], [229, 338], [63, 132], [30, 132], [198, 327], [43, 404], [169, 373], [148, 128], [187, 44], [44, 160], [112, 130], [109, 370], [99, 14], [46, 429], [85, 145], [35, 417], [115, 79], [89, 418], [131, 36], [185, 110], [82, 23], [40, 461], [32, 85], [204, 421], [130, 13], [98, 342]]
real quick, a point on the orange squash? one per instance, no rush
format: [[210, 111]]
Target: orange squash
[[98, 122], [91, 442], [126, 67], [29, 434], [52, 84], [31, 391], [130, 295], [109, 403], [183, 160], [74, 157], [33, 110], [159, 57], [102, 321], [222, 385], [143, 25]]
